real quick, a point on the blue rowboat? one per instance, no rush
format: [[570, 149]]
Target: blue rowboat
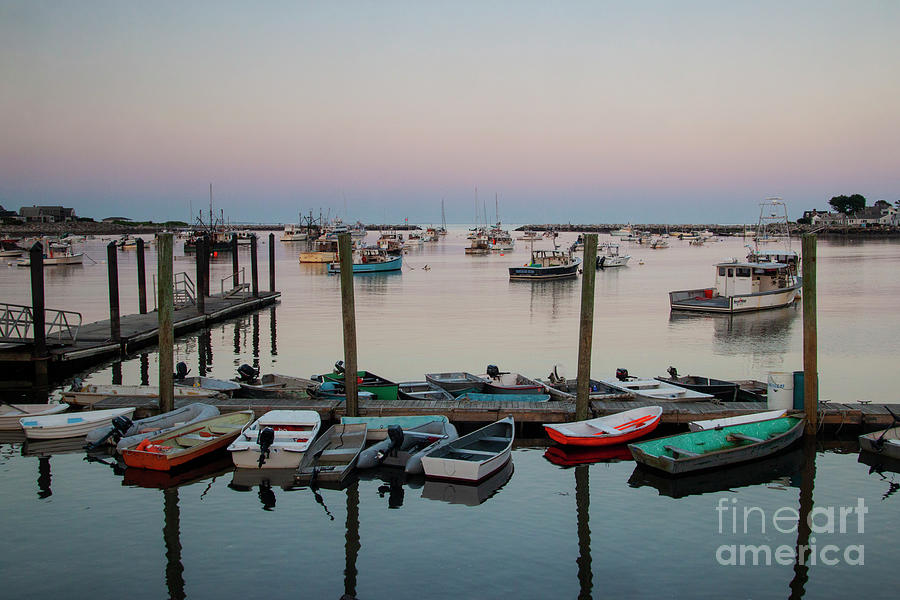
[[476, 397], [372, 260]]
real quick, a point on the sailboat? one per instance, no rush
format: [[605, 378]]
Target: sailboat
[[443, 229]]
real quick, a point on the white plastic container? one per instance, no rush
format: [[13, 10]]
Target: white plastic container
[[780, 392]]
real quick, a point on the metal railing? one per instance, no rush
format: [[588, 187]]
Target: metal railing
[[185, 293], [238, 285], [17, 323]]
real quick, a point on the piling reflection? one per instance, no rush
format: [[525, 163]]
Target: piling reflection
[[273, 331], [145, 368], [352, 540], [394, 482], [172, 540], [265, 480], [204, 352], [255, 321], [44, 478], [583, 510], [117, 373], [808, 476]]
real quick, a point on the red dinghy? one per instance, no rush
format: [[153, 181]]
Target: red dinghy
[[604, 431]]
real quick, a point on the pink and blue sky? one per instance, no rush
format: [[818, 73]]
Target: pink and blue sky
[[595, 111]]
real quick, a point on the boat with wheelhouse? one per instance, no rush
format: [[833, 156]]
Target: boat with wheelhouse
[[742, 286], [547, 264]]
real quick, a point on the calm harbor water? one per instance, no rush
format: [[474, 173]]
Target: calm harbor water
[[542, 530]]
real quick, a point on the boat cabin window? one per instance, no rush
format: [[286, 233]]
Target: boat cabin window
[[743, 272], [721, 271]]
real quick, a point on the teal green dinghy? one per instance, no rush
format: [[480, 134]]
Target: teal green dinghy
[[720, 447]]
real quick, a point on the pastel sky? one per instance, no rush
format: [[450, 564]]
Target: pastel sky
[[583, 112]]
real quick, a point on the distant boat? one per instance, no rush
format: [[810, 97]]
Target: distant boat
[[333, 456], [472, 457], [612, 429], [176, 447], [293, 233], [610, 257], [546, 265], [699, 450], [276, 440], [66, 425], [371, 260], [56, 257]]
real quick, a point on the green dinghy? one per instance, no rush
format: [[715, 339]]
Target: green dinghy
[[718, 447]]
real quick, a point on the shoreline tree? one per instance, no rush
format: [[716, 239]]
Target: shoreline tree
[[847, 205]]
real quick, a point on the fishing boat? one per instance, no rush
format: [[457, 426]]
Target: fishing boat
[[653, 389], [457, 382], [123, 432], [721, 389], [712, 448], [738, 420], [90, 393], [547, 264], [56, 257], [405, 446], [176, 447], [454, 492], [659, 243], [11, 414], [10, 249], [529, 236], [742, 287], [322, 250], [276, 440], [423, 390], [293, 233], [371, 260], [480, 244], [609, 256], [333, 456], [504, 382], [390, 241], [613, 429], [66, 425], [472, 457]]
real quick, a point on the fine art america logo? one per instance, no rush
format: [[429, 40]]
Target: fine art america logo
[[821, 520]]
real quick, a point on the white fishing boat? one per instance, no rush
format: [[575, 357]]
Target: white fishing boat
[[738, 420], [293, 233], [472, 457], [742, 287], [66, 425], [653, 389], [56, 257], [90, 393], [11, 414], [276, 440], [609, 256]]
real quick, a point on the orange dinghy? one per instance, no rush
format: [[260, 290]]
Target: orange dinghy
[[178, 446], [604, 431]]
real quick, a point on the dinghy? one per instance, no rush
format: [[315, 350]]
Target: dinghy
[[457, 382], [504, 382], [885, 442], [91, 393], [721, 447], [377, 427], [184, 444], [405, 447], [276, 440], [605, 431], [209, 383], [472, 457], [423, 390], [66, 425], [739, 420], [272, 385], [725, 391], [333, 456], [467, 494], [132, 432], [11, 414], [652, 389]]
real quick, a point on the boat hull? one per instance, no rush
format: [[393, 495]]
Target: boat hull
[[472, 457], [13, 413], [395, 264], [67, 425], [629, 425], [723, 390], [528, 273], [883, 443], [294, 432], [699, 300]]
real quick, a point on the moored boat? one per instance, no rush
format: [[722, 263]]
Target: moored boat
[[720, 447], [737, 420], [333, 456], [613, 429], [122, 432], [423, 390], [65, 425], [547, 264], [380, 387], [472, 457], [178, 446], [721, 389], [90, 393], [272, 385], [504, 382], [885, 442], [10, 414], [653, 389], [503, 397], [457, 382], [208, 383], [404, 447], [609, 256], [372, 260], [276, 440], [377, 427]]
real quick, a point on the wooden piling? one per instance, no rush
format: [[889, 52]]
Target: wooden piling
[[200, 252], [271, 262], [254, 271], [142, 278], [348, 311], [165, 301], [586, 326], [39, 323], [235, 278], [810, 334], [112, 270]]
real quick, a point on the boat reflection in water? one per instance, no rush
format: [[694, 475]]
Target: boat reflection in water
[[880, 465], [394, 481], [470, 495], [570, 456], [764, 332], [164, 480], [782, 467]]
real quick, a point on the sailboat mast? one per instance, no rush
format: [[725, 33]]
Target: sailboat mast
[[210, 205]]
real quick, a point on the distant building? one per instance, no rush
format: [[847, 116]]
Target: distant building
[[880, 214], [47, 214], [822, 218], [814, 216]]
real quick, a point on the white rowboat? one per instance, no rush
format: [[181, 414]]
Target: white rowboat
[[67, 425]]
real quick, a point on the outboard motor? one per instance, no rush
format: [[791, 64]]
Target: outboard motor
[[622, 374], [673, 372], [493, 371], [247, 373], [395, 434], [265, 439], [76, 384], [339, 366], [121, 425], [181, 371]]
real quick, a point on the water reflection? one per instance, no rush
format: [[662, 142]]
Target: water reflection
[[570, 456], [273, 335], [44, 478], [117, 373], [763, 332], [148, 478], [802, 549], [393, 485], [266, 480], [470, 495], [145, 368], [172, 540], [583, 515], [880, 466], [204, 352], [352, 541], [547, 297]]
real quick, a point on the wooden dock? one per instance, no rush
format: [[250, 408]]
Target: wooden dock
[[94, 343], [832, 415]]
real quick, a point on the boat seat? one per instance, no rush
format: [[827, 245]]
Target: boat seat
[[495, 438], [192, 439], [224, 428], [740, 437], [677, 451], [467, 451]]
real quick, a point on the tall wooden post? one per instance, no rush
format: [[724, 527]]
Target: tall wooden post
[[271, 262], [165, 301], [142, 278], [38, 320], [201, 252], [208, 243], [586, 326], [235, 280], [810, 335], [348, 311], [254, 271], [112, 269]]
